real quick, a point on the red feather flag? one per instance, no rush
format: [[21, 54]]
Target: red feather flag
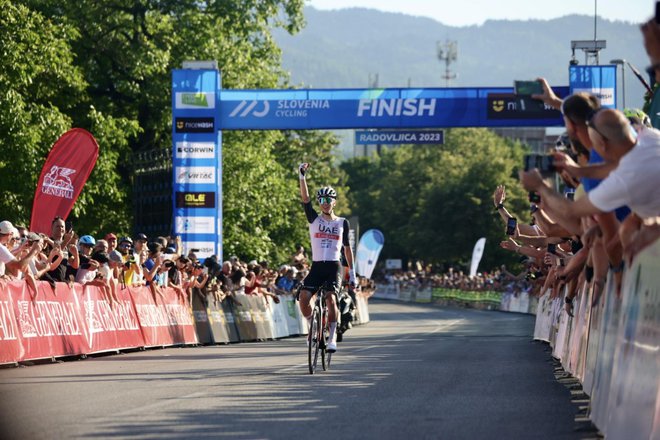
[[69, 164]]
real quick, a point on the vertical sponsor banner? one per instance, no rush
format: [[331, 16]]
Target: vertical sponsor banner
[[477, 253], [597, 80], [368, 250], [196, 160], [69, 164]]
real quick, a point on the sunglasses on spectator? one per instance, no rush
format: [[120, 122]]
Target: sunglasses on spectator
[[592, 125], [125, 245], [325, 200]]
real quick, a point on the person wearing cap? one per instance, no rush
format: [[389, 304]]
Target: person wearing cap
[[132, 271], [111, 238], [140, 243], [8, 262]]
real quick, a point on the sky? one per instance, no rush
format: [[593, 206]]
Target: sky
[[475, 12]]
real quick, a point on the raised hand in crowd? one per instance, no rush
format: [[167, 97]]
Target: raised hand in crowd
[[548, 97]]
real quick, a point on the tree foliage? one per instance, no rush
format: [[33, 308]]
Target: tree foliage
[[433, 202], [105, 66]]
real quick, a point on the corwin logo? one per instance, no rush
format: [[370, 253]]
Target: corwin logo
[[58, 183], [248, 108], [195, 150], [195, 199], [194, 125]]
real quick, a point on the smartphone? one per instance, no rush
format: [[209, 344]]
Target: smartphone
[[511, 226], [552, 248], [534, 197], [527, 88], [68, 226], [545, 163]]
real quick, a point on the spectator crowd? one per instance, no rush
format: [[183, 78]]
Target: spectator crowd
[[115, 262]]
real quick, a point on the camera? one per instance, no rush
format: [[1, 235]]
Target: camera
[[552, 248], [534, 197], [511, 225], [544, 162]]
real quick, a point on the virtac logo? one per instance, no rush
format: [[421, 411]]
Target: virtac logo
[[248, 108], [195, 175]]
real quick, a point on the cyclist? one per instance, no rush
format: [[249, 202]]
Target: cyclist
[[328, 233]]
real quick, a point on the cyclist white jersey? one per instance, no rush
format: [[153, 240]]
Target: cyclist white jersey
[[327, 236]]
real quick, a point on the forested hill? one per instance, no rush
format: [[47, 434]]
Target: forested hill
[[343, 48]]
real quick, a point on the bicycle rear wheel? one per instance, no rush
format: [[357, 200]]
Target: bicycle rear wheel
[[314, 341]]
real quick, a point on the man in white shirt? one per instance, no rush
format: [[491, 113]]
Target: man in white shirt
[[634, 182], [7, 259]]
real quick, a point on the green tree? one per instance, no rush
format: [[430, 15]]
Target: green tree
[[433, 202], [122, 53]]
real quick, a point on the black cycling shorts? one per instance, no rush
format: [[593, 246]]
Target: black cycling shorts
[[323, 273]]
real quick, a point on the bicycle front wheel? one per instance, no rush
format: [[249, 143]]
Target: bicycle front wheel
[[314, 341]]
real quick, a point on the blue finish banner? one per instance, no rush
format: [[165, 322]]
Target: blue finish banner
[[196, 161], [597, 80], [399, 137], [380, 108]]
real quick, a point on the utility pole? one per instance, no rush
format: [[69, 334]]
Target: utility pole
[[448, 53]]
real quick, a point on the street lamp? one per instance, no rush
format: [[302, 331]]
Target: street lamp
[[622, 62]]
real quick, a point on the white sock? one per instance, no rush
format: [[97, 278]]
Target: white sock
[[333, 331]]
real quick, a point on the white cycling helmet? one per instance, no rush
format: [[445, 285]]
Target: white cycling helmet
[[326, 191]]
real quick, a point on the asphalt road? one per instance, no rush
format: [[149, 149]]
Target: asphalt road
[[414, 372]]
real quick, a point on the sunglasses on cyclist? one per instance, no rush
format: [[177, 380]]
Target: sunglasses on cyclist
[[325, 200]]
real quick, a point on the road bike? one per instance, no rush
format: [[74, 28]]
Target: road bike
[[319, 333]]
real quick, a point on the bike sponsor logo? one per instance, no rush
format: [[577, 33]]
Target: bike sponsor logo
[[201, 249], [195, 199], [195, 175], [194, 225], [192, 100], [195, 150], [396, 107], [58, 183], [605, 94], [510, 106], [194, 125]]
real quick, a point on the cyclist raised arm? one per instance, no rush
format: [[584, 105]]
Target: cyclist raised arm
[[328, 233]]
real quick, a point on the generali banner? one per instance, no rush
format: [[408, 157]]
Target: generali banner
[[69, 164], [75, 320]]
